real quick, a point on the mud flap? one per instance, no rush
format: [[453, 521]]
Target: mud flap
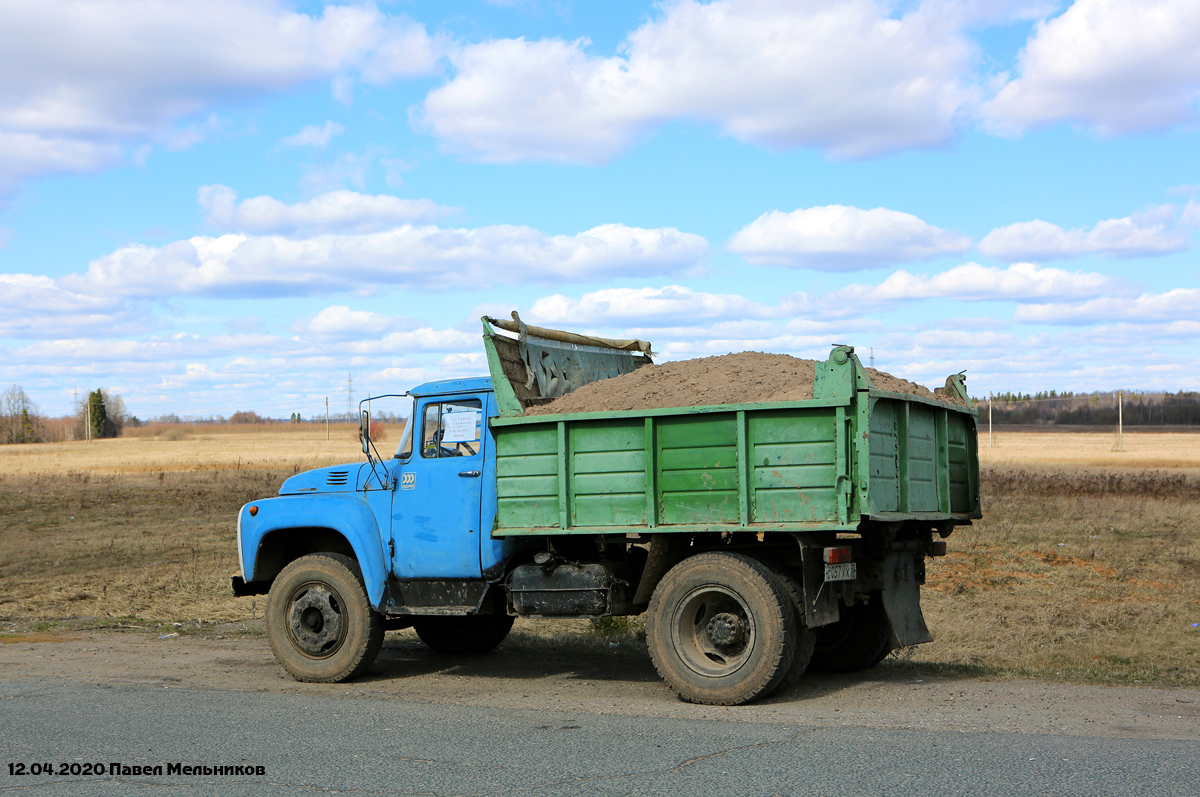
[[902, 601], [666, 551], [820, 599]]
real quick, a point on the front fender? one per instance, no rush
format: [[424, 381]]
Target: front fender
[[343, 513]]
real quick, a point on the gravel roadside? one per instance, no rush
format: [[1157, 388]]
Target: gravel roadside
[[618, 684]]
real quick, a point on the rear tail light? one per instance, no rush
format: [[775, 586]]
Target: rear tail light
[[837, 555]]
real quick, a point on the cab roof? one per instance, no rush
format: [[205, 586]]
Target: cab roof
[[450, 386]]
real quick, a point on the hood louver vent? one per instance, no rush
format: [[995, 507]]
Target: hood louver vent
[[337, 478]]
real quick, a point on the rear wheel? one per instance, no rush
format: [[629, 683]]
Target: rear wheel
[[855, 642], [474, 633], [721, 629], [806, 638], [319, 622]]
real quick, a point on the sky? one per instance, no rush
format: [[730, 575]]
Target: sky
[[243, 209]]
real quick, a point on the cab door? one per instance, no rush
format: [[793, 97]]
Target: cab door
[[436, 507]]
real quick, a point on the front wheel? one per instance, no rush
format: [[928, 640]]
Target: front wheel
[[474, 633], [721, 629], [320, 624]]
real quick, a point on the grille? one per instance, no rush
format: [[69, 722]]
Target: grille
[[337, 478]]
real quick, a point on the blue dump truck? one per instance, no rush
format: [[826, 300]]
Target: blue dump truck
[[759, 539]]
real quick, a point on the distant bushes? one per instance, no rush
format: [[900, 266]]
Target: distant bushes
[[246, 416], [1016, 482]]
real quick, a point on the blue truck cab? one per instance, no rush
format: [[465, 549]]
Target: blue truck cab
[[418, 524], [344, 552]]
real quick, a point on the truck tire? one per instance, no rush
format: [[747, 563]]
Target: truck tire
[[320, 624], [721, 629], [474, 633], [855, 642], [806, 638]]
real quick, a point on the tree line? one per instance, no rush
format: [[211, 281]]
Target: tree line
[[101, 414], [1094, 409]]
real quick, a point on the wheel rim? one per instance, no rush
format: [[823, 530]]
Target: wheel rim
[[713, 631], [315, 622]]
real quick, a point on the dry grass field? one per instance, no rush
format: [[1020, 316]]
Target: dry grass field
[[1085, 567], [1091, 451], [181, 447]]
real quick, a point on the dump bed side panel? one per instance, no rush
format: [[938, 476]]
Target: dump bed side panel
[[698, 470], [794, 465], [606, 473], [766, 466], [527, 476]]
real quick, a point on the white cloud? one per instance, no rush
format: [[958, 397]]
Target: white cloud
[[1191, 214], [841, 238], [333, 211], [1115, 65], [1181, 304], [26, 155], [973, 282], [314, 135], [367, 340], [347, 167], [34, 306], [839, 75], [339, 322], [424, 339], [1140, 340], [667, 305], [84, 80], [465, 362], [408, 256], [677, 310], [1154, 232], [175, 347]]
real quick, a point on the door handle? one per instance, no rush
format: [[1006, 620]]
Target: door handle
[[468, 473]]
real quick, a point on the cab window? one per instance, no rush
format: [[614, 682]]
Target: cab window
[[406, 439], [451, 429]]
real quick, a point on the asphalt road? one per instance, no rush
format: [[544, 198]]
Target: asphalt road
[[339, 743]]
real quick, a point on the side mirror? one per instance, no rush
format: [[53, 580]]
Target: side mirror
[[364, 431]]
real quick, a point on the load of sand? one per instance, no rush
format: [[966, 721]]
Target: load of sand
[[745, 377]]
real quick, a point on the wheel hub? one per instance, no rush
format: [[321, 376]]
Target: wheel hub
[[726, 629], [713, 631], [315, 623]]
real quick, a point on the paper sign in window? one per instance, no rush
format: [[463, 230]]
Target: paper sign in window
[[459, 427]]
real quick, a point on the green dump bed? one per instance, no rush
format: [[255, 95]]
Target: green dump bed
[[851, 453]]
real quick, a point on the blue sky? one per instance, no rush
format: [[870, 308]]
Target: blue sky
[[234, 212]]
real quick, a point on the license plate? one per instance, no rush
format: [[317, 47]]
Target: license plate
[[846, 571]]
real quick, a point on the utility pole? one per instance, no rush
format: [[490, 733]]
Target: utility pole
[[991, 442], [349, 396], [1120, 420], [872, 356], [327, 417]]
